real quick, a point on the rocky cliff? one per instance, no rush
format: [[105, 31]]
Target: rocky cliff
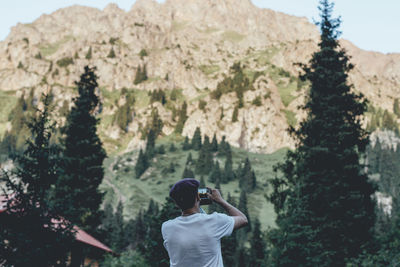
[[187, 47]]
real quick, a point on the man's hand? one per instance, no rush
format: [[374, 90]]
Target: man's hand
[[215, 195]]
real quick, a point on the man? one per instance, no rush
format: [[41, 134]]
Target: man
[[193, 239]]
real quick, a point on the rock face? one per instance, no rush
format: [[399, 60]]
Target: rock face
[[190, 46]]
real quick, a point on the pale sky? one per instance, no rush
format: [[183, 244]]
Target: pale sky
[[369, 24]]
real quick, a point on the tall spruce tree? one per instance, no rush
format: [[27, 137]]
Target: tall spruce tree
[[323, 202], [76, 192], [257, 246], [30, 232], [196, 140]]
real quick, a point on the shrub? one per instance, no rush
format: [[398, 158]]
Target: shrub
[[64, 62]]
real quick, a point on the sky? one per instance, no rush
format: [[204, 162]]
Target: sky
[[370, 24]]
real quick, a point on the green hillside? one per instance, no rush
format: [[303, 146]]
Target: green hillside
[[120, 182]]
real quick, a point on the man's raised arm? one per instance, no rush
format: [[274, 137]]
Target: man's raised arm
[[238, 216]]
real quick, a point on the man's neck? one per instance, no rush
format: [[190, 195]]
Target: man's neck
[[191, 211]]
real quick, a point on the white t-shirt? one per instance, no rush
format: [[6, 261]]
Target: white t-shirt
[[194, 241]]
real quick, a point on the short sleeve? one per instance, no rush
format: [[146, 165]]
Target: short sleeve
[[223, 225]]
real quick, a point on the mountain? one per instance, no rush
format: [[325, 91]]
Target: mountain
[[188, 48]]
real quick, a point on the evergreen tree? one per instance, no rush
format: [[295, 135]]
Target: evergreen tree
[[186, 145], [189, 159], [112, 53], [257, 246], [150, 144], [396, 107], [172, 147], [30, 233], [76, 192], [215, 173], [247, 177], [214, 144], [89, 53], [243, 208], [142, 164], [323, 202], [202, 182], [229, 243], [152, 247], [187, 173], [204, 162], [228, 174], [182, 118], [196, 140], [113, 226]]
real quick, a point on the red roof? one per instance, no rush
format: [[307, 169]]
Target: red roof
[[80, 235]]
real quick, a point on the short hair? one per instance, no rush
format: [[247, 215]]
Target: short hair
[[184, 193]]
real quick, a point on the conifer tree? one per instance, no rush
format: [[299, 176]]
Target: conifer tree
[[186, 145], [187, 173], [396, 107], [257, 246], [202, 182], [76, 192], [229, 243], [205, 160], [214, 144], [215, 174], [189, 159], [196, 139], [89, 53], [323, 202], [30, 234], [228, 174], [182, 118], [150, 144], [172, 147], [112, 53], [142, 164], [243, 207]]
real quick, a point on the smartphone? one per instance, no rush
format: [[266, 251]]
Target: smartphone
[[204, 199]]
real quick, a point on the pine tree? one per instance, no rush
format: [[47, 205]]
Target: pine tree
[[182, 118], [229, 243], [323, 202], [204, 162], [186, 145], [152, 247], [187, 173], [202, 182], [112, 53], [29, 235], [189, 159], [76, 192], [243, 208], [89, 53], [215, 173], [196, 139], [150, 144], [214, 144], [396, 107], [142, 164], [257, 246], [228, 174], [247, 177]]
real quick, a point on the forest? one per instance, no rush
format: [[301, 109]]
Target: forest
[[335, 196]]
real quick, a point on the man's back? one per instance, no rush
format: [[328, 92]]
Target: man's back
[[195, 240]]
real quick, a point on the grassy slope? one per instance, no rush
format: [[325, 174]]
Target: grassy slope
[[120, 181]]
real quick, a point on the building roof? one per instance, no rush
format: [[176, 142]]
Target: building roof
[[80, 235]]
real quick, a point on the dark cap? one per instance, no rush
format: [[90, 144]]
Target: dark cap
[[184, 192]]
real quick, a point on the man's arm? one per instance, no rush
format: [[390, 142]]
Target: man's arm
[[238, 216]]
